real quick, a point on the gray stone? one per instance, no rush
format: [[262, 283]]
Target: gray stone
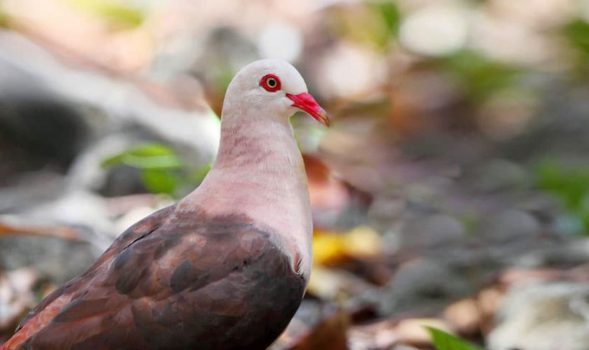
[[55, 259], [433, 231], [543, 317], [423, 285], [509, 226]]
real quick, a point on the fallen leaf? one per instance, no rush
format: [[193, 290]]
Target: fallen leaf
[[464, 316], [331, 248]]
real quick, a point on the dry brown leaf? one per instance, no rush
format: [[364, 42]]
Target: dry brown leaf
[[464, 316]]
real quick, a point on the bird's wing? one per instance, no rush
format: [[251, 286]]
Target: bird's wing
[[138, 230], [189, 283]]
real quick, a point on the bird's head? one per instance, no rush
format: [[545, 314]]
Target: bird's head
[[272, 88]]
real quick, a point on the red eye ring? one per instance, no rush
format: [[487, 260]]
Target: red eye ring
[[270, 83]]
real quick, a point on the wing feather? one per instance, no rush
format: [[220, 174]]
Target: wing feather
[[171, 286]]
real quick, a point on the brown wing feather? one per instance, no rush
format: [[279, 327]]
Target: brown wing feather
[[133, 233], [217, 283]]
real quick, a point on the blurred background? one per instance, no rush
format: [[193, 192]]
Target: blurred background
[[452, 190]]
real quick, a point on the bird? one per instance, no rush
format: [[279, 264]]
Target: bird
[[225, 267]]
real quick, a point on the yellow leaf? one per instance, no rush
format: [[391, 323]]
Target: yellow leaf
[[331, 247]]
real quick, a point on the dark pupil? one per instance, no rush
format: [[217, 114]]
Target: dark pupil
[[271, 82]]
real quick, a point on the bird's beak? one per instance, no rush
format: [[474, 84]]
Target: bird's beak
[[306, 103]]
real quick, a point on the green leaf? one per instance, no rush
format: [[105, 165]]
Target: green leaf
[[571, 186], [577, 32], [373, 24], [161, 170], [146, 156], [160, 181], [446, 341], [390, 15]]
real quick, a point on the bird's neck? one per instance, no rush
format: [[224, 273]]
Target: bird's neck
[[265, 147], [259, 172]]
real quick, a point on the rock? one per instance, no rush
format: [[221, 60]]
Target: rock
[[386, 210], [76, 208], [55, 259], [159, 108], [31, 188], [40, 132], [423, 286], [501, 175], [543, 316], [61, 115], [433, 231], [560, 254], [509, 226]]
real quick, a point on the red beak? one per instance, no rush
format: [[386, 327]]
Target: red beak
[[306, 103]]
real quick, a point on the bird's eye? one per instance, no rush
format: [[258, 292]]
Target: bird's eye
[[270, 83]]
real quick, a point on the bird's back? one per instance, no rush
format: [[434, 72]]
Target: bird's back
[[212, 283]]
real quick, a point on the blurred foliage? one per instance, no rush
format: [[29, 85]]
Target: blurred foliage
[[147, 156], [222, 77], [571, 186], [162, 171], [374, 24], [160, 180], [445, 341], [388, 13], [479, 76], [4, 18], [118, 13], [577, 33]]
